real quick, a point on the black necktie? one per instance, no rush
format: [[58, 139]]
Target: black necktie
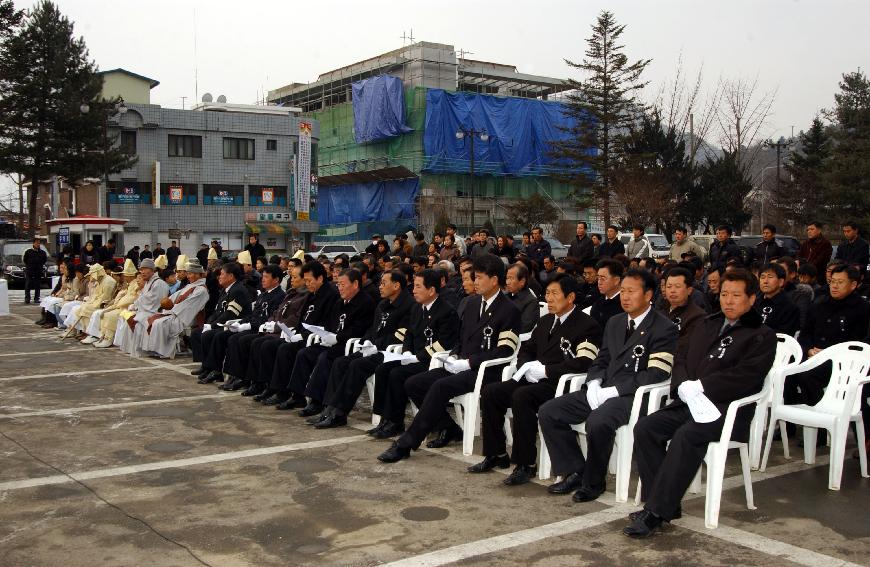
[[556, 326], [629, 330]]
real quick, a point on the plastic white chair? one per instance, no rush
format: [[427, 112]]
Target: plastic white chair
[[543, 307], [788, 351], [572, 382], [840, 405]]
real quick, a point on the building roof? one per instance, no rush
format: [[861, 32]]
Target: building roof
[[151, 82], [87, 219]]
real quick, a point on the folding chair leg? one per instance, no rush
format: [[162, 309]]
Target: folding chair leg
[[747, 476], [715, 474], [862, 447], [768, 442], [469, 426], [784, 434], [810, 436], [838, 453], [544, 464], [623, 450], [370, 386]]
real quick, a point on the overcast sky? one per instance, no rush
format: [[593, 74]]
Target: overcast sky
[[799, 48]]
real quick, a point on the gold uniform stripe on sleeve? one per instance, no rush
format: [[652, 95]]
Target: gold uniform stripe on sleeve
[[663, 356], [660, 364], [400, 334], [587, 349]]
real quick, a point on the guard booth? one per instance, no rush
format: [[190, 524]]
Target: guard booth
[[76, 231]]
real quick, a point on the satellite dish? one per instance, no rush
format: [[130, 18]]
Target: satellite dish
[[206, 97], [222, 99]]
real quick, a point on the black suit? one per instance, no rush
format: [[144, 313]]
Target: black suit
[[494, 334], [430, 330], [233, 303], [730, 366], [224, 351], [603, 309], [349, 320], [569, 348], [779, 313], [645, 357], [349, 373]]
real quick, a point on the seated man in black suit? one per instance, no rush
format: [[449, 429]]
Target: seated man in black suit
[[489, 330], [727, 359], [637, 350], [565, 341]]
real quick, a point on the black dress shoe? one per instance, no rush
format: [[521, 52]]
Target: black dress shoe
[[233, 385], [587, 494], [390, 429], [635, 515], [292, 402], [489, 463], [198, 371], [264, 395], [331, 421], [568, 484], [376, 428], [213, 376], [275, 399], [313, 408], [445, 437], [521, 474], [41, 321], [644, 525], [394, 454], [253, 390], [314, 419]]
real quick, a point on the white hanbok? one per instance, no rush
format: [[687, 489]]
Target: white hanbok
[[163, 338]]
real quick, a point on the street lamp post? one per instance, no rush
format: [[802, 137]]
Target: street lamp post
[[103, 191], [472, 134]]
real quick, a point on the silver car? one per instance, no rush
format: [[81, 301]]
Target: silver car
[[333, 250]]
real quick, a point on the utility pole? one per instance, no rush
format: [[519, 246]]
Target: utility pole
[[472, 133]]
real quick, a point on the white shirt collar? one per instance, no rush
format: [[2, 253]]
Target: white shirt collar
[[639, 319], [563, 318], [487, 303], [428, 306]]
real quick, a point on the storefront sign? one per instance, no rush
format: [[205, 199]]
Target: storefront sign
[[63, 235], [176, 193], [222, 198], [303, 172], [268, 195], [129, 195]]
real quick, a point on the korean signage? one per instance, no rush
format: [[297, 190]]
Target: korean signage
[[222, 197], [176, 194], [268, 195], [129, 194], [63, 235], [155, 185], [268, 217], [303, 172]]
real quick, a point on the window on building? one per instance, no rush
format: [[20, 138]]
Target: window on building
[[128, 141], [272, 145], [233, 195], [185, 146], [238, 148]]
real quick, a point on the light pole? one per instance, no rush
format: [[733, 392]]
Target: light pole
[[765, 168], [472, 134], [103, 191]]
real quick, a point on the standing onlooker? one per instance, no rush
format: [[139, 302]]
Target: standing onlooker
[[581, 248], [373, 247], [146, 253], [256, 249], [854, 250], [34, 264], [504, 249], [202, 254], [527, 241], [88, 254], [173, 252], [596, 245], [420, 246], [107, 251], [816, 249], [613, 246], [539, 248], [639, 246], [724, 248], [132, 255], [458, 242], [219, 250], [769, 248], [449, 251], [159, 251], [683, 245]]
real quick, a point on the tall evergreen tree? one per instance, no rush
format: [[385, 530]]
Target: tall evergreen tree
[[720, 195], [10, 18], [803, 198], [45, 79], [603, 107], [848, 174]]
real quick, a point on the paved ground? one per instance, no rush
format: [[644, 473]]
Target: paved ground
[[108, 460]]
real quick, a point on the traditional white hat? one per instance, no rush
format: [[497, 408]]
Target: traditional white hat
[[181, 263], [244, 258], [300, 254], [129, 268], [162, 262], [212, 254], [95, 271]]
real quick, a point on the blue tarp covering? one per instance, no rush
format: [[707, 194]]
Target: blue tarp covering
[[366, 202], [378, 109], [520, 133]]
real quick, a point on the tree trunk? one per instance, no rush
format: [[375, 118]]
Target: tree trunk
[[20, 184]]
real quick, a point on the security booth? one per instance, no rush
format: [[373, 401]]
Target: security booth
[[76, 231], [281, 233]]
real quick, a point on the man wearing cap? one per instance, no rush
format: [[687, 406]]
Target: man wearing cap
[[124, 277], [102, 295], [234, 303], [132, 282], [252, 277], [160, 334], [154, 290]]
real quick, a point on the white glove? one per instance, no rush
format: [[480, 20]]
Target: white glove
[[605, 394], [206, 328], [261, 328], [592, 389], [368, 349], [244, 327], [457, 365], [536, 371], [689, 389], [288, 338], [269, 326], [296, 338], [329, 340], [407, 362]]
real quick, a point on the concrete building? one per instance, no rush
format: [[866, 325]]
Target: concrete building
[[213, 172], [344, 162]]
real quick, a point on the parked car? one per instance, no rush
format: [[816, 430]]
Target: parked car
[[12, 262], [660, 246], [333, 250], [557, 249]]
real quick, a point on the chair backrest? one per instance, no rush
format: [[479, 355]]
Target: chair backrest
[[788, 350], [850, 363], [543, 308]]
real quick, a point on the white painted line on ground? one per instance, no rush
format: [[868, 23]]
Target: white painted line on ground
[[74, 373], [511, 540], [799, 555], [36, 335], [71, 411], [55, 351], [177, 463], [168, 365]]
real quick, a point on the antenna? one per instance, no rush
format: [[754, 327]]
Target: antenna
[[195, 62], [405, 37], [182, 102]]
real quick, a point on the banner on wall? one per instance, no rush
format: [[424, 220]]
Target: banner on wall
[[303, 172], [268, 196], [223, 197], [155, 185], [176, 194]]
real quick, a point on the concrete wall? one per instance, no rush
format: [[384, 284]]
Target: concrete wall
[[131, 89]]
